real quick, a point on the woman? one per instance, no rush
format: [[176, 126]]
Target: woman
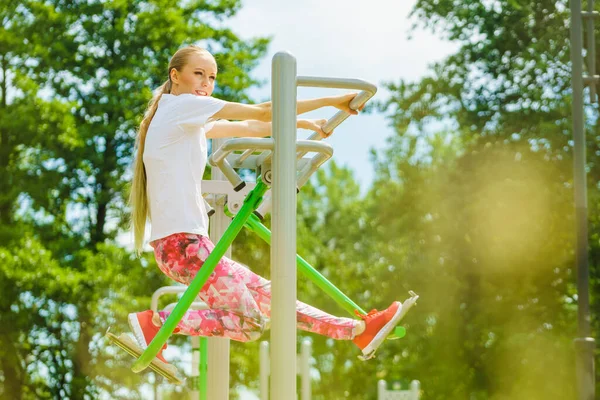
[[170, 161]]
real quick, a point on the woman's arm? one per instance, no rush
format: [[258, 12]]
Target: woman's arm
[[252, 128], [263, 111], [341, 102]]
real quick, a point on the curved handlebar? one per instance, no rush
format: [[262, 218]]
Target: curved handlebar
[[368, 90], [219, 157], [250, 145]]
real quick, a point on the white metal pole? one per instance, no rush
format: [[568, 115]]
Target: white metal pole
[[195, 376], [381, 389], [585, 343], [218, 348], [415, 389], [264, 370], [305, 370], [283, 249]]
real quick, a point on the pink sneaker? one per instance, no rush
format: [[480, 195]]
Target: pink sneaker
[[144, 330]]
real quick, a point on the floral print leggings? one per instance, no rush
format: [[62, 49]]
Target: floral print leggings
[[239, 300]]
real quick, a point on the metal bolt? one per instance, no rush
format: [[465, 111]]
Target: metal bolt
[[268, 177]]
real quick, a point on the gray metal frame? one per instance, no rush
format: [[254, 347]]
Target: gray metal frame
[[283, 249], [279, 159], [223, 158], [218, 348], [584, 343]]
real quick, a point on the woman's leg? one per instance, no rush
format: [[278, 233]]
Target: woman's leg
[[308, 318], [222, 292], [233, 311]]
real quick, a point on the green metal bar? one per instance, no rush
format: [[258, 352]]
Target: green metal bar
[[203, 368], [253, 223], [251, 202]]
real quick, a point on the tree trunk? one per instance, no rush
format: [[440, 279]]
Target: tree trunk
[[82, 357], [12, 369]]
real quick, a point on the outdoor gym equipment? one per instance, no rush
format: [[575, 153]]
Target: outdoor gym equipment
[[276, 166]]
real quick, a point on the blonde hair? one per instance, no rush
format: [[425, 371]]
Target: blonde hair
[[138, 198]]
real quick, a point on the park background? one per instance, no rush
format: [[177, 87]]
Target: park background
[[457, 184]]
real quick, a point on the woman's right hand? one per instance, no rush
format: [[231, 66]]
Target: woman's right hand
[[315, 125]]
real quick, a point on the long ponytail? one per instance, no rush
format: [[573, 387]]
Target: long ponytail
[[138, 198]]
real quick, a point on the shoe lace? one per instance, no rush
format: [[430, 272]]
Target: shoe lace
[[369, 315]]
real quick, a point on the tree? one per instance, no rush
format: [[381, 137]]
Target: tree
[[73, 92], [481, 164]]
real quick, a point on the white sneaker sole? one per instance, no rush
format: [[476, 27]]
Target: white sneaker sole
[[136, 329], [126, 343], [369, 350]]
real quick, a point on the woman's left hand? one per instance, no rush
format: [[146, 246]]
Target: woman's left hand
[[342, 102]]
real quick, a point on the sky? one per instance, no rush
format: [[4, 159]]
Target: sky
[[366, 40]]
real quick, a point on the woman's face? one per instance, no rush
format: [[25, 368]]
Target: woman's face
[[196, 77]]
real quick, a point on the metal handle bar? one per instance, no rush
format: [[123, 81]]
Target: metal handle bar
[[219, 157], [368, 90], [197, 305], [336, 83], [170, 290]]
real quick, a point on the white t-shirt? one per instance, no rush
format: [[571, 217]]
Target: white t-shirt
[[175, 157]]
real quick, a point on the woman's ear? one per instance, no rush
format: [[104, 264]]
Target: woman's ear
[[173, 75]]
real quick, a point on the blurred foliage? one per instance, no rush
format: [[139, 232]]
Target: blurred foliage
[[471, 207], [481, 166], [75, 79]]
